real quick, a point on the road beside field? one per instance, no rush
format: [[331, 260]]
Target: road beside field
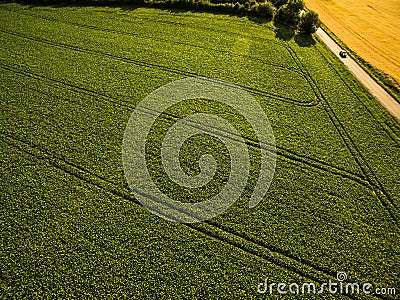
[[387, 101], [369, 27]]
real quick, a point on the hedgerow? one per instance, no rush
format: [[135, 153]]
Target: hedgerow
[[285, 11]]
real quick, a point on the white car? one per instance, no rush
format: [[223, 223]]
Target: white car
[[343, 53]]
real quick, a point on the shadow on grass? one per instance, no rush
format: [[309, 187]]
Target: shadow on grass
[[284, 32], [259, 20], [131, 5], [127, 4], [214, 10], [304, 40]]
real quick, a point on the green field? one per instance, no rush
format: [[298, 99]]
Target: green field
[[70, 226]]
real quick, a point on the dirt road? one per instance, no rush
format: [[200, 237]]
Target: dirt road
[[387, 101]]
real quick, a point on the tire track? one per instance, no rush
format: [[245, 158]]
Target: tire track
[[218, 237], [289, 155], [69, 86], [375, 184], [253, 91], [394, 133], [190, 25], [212, 229], [125, 33]]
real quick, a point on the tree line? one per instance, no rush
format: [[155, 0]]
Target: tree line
[[289, 12]]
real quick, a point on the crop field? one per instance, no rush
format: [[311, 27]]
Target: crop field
[[70, 226], [371, 28]]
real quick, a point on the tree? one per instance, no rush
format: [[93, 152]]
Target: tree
[[290, 12], [266, 10], [309, 22], [279, 3]]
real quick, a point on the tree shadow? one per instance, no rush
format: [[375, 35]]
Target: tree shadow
[[259, 20], [304, 40], [284, 32], [126, 4], [177, 9], [131, 5], [215, 10]]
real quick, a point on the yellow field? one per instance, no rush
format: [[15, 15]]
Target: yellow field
[[369, 27]]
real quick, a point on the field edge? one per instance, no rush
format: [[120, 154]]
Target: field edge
[[387, 82]]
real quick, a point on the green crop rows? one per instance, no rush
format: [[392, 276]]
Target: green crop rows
[[70, 227]]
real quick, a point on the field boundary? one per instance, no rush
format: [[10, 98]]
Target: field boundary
[[388, 83], [375, 89], [381, 116], [367, 171]]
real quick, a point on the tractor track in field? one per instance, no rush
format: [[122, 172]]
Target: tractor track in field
[[212, 229], [287, 154], [381, 195], [71, 87], [125, 33], [251, 90], [153, 20], [369, 174], [367, 171], [395, 136], [247, 243]]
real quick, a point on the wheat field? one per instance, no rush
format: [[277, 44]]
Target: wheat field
[[371, 28]]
